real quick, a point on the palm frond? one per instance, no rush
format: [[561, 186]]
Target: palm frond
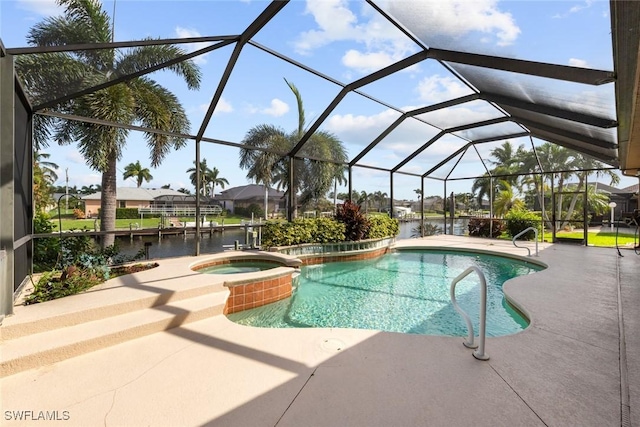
[[84, 21], [301, 118], [158, 108], [145, 57]]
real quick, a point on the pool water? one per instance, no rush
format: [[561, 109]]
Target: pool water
[[406, 291], [239, 267]]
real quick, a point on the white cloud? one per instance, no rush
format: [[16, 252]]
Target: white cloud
[[335, 22], [367, 62], [357, 131], [447, 23], [41, 7], [460, 115], [574, 62], [277, 108], [574, 9], [360, 129], [382, 44], [436, 88], [223, 107], [185, 33]]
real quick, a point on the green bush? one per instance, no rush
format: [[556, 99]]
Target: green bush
[[53, 285], [84, 265], [429, 229], [518, 220], [132, 213], [312, 230], [253, 208], [381, 226], [481, 227], [327, 230], [127, 213], [46, 249], [355, 222]]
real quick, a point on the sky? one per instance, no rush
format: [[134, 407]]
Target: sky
[[344, 40]]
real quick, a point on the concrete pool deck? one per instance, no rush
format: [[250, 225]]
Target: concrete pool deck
[[570, 367]]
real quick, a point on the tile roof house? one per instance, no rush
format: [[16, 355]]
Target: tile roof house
[[128, 197], [245, 195], [626, 199]]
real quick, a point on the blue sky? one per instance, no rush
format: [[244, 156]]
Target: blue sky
[[345, 41]]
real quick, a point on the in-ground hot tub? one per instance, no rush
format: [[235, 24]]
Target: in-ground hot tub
[[253, 278], [240, 266]]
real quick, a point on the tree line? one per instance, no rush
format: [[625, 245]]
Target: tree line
[[517, 183]]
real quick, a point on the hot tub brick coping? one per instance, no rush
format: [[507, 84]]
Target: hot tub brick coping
[[261, 278]]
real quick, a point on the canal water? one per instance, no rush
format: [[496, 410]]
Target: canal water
[[174, 246]]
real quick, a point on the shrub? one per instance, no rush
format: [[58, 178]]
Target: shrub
[[355, 222], [253, 208], [83, 266], [78, 213], [52, 285], [313, 230], [327, 230], [45, 250], [429, 229], [131, 213], [381, 226], [520, 219], [481, 227]]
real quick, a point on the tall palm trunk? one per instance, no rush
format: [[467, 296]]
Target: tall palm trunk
[[574, 200], [108, 202], [559, 197]]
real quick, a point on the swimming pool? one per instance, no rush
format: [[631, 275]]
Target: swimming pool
[[406, 291]]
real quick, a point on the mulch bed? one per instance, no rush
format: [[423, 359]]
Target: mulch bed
[[134, 268]]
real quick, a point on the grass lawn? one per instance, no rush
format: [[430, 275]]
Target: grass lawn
[[602, 238], [123, 224]]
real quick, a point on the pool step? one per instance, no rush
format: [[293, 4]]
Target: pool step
[[85, 307], [50, 346]]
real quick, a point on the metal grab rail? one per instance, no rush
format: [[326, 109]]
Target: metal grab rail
[[479, 353], [535, 231]]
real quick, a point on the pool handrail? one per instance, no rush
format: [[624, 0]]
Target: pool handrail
[[535, 231], [469, 343]]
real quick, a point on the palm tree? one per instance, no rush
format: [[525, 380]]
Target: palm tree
[[380, 197], [506, 200], [580, 161], [140, 100], [213, 179], [481, 187], [47, 168], [312, 178], [363, 200], [44, 176], [135, 170], [92, 188], [204, 172], [338, 179]]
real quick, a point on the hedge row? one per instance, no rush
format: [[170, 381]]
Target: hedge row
[[132, 213], [324, 230], [514, 222]]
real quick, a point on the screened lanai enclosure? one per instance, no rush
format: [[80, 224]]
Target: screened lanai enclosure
[[424, 102]]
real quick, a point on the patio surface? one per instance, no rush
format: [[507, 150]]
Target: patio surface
[[571, 367]]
